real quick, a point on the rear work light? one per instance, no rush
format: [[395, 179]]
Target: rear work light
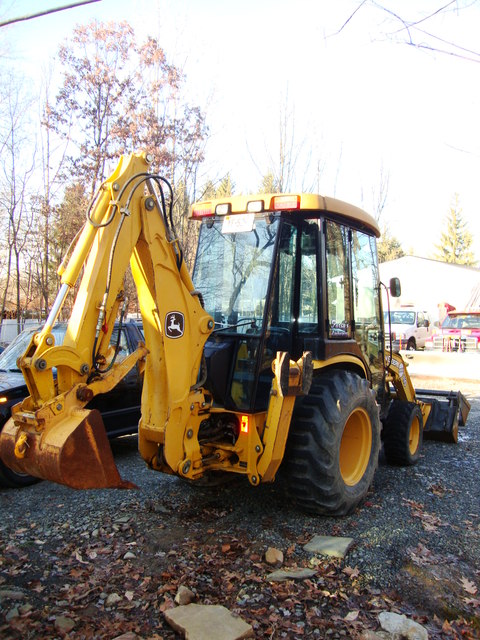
[[283, 203], [255, 206], [223, 209], [202, 210]]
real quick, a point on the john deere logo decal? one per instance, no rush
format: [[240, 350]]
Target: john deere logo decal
[[174, 324]]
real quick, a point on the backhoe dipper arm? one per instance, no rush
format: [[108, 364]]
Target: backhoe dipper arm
[[50, 433]]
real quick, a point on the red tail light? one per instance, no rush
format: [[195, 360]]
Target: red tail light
[[244, 424]]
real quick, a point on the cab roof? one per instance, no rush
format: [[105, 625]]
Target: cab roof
[[271, 202]]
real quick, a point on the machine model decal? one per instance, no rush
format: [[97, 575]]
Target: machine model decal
[[174, 324]]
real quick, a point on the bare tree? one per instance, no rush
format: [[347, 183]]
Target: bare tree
[[124, 96], [52, 156], [293, 166], [290, 150], [95, 94], [418, 31], [378, 195], [14, 179], [116, 96]]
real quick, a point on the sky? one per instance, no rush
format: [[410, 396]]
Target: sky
[[360, 102]]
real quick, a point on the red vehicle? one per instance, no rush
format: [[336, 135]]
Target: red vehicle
[[460, 331]]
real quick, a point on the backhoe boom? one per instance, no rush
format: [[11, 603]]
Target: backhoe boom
[[127, 224]]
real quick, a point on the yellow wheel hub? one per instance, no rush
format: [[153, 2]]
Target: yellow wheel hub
[[414, 435], [355, 447]]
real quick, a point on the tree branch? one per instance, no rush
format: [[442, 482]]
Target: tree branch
[[46, 12]]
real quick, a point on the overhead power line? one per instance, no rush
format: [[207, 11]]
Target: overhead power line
[[4, 23]]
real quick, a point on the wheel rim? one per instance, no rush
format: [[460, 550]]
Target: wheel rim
[[414, 435], [355, 447]]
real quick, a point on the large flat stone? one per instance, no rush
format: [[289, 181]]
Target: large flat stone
[[333, 546], [207, 622], [290, 574]]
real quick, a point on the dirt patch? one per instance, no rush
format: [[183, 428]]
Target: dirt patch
[[437, 584], [469, 388]]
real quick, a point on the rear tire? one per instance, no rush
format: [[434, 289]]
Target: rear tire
[[403, 433], [411, 345], [333, 445]]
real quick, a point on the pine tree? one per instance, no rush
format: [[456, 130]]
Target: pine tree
[[455, 241], [208, 191], [268, 184], [389, 247], [226, 187]]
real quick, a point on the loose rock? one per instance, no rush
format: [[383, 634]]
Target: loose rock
[[402, 626], [113, 598], [274, 556], [12, 594], [184, 596], [207, 622], [13, 613], [329, 546], [64, 624], [290, 574]]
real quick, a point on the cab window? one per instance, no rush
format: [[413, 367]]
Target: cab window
[[308, 309], [338, 281], [366, 297]]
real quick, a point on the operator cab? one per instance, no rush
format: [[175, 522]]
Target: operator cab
[[285, 273]]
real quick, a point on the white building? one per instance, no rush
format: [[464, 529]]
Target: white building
[[429, 283]]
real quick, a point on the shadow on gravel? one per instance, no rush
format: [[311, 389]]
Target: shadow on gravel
[[124, 445]]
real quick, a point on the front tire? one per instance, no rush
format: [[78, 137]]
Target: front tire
[[403, 433], [333, 445]]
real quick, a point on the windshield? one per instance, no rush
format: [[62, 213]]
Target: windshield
[[400, 317], [8, 359], [232, 272], [462, 321]]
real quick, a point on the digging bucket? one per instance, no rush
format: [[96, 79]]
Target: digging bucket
[[74, 451]]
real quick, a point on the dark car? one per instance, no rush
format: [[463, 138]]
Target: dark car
[[120, 407]]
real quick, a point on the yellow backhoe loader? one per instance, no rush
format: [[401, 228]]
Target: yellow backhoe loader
[[272, 355]]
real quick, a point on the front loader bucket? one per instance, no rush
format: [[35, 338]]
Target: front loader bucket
[[446, 414], [74, 452]]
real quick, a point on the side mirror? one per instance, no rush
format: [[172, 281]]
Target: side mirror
[[395, 288]]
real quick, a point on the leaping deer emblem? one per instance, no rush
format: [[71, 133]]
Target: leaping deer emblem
[[174, 324]]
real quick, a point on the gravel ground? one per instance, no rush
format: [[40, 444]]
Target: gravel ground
[[101, 563]]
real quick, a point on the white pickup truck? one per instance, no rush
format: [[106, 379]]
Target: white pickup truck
[[410, 328]]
